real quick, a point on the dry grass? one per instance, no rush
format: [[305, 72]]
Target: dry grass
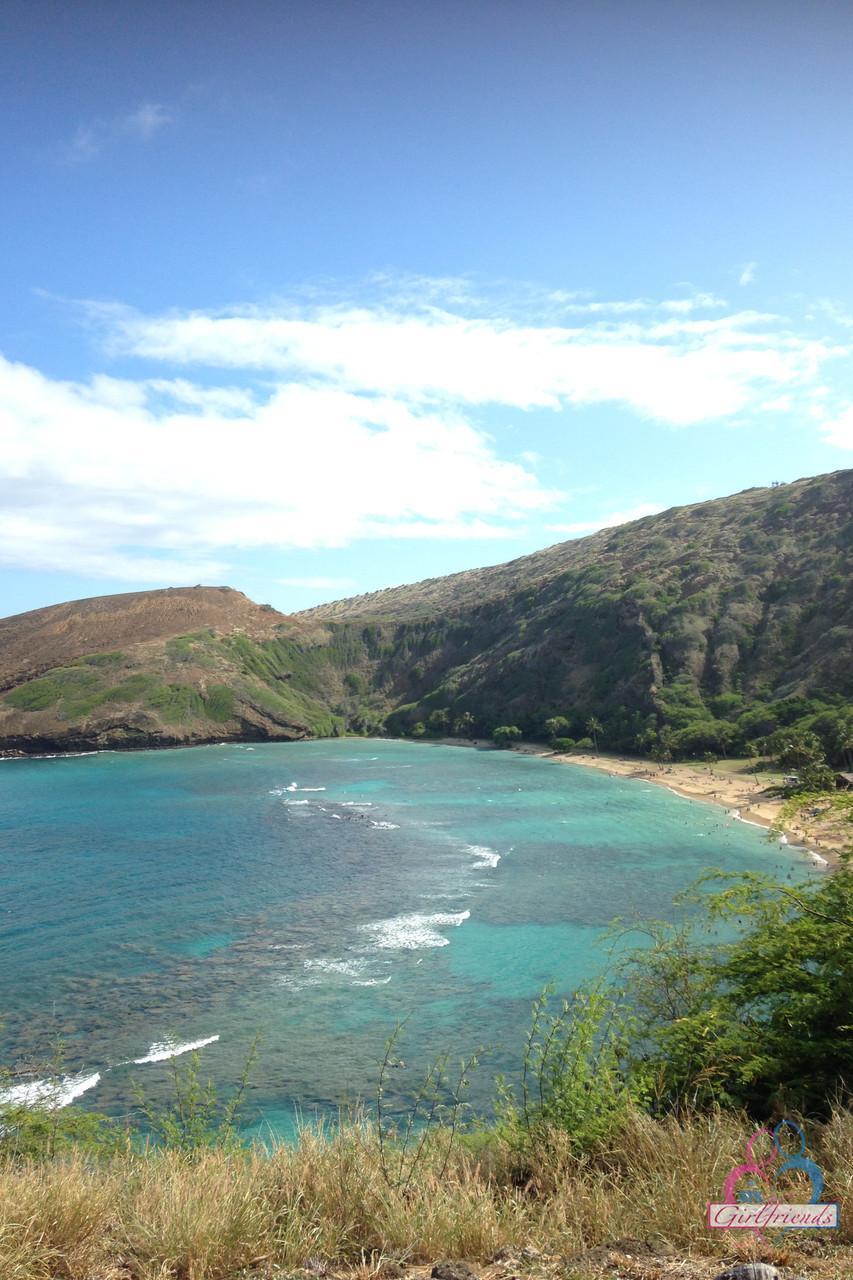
[[161, 1216]]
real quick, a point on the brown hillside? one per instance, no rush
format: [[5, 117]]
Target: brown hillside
[[44, 638], [157, 668], [709, 528]]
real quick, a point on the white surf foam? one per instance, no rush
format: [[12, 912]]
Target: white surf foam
[[413, 932], [386, 826], [485, 856], [356, 804], [52, 755], [50, 1094], [345, 968], [293, 983], [163, 1049], [297, 802], [736, 813]]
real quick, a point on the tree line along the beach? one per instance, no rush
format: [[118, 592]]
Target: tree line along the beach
[[809, 738]]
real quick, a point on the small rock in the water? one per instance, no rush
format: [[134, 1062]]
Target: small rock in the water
[[453, 1271], [750, 1271]]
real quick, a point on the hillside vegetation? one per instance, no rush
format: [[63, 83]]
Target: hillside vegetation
[[699, 630], [159, 668], [717, 622]]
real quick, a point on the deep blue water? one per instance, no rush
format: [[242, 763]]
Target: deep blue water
[[168, 897]]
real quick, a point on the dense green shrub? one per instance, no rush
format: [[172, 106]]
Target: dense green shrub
[[219, 703]]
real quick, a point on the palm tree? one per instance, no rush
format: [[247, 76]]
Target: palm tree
[[594, 727], [463, 726], [844, 742]]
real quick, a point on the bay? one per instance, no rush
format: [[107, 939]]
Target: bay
[[319, 893]]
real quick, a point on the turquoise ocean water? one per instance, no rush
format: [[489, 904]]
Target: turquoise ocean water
[[318, 893]]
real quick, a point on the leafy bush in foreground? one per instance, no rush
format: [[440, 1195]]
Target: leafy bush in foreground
[[760, 1022]]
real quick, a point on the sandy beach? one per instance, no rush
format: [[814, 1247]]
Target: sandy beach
[[730, 784]]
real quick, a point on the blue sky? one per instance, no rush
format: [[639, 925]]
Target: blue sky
[[314, 298]]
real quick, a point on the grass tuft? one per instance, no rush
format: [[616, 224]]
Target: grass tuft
[[159, 1215]]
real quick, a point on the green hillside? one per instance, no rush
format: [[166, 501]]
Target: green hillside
[[716, 623]]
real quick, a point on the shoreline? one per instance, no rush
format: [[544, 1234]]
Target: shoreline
[[732, 788], [739, 793]]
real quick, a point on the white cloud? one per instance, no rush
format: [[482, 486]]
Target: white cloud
[[146, 120], [83, 146], [834, 311], [699, 302], [677, 370], [96, 136], [839, 431], [607, 522], [112, 477], [747, 273], [217, 400], [314, 425], [582, 304]]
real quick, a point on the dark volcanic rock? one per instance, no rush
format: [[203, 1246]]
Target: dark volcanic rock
[[453, 1271], [750, 1271]]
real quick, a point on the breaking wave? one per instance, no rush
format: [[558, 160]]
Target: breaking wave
[[485, 856], [163, 1049], [50, 1094], [413, 932]]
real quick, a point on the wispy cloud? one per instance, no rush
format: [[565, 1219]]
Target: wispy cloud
[[838, 431], [147, 120], [155, 480], [317, 422], [747, 273], [608, 521], [83, 146], [835, 312], [670, 366], [141, 124]]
